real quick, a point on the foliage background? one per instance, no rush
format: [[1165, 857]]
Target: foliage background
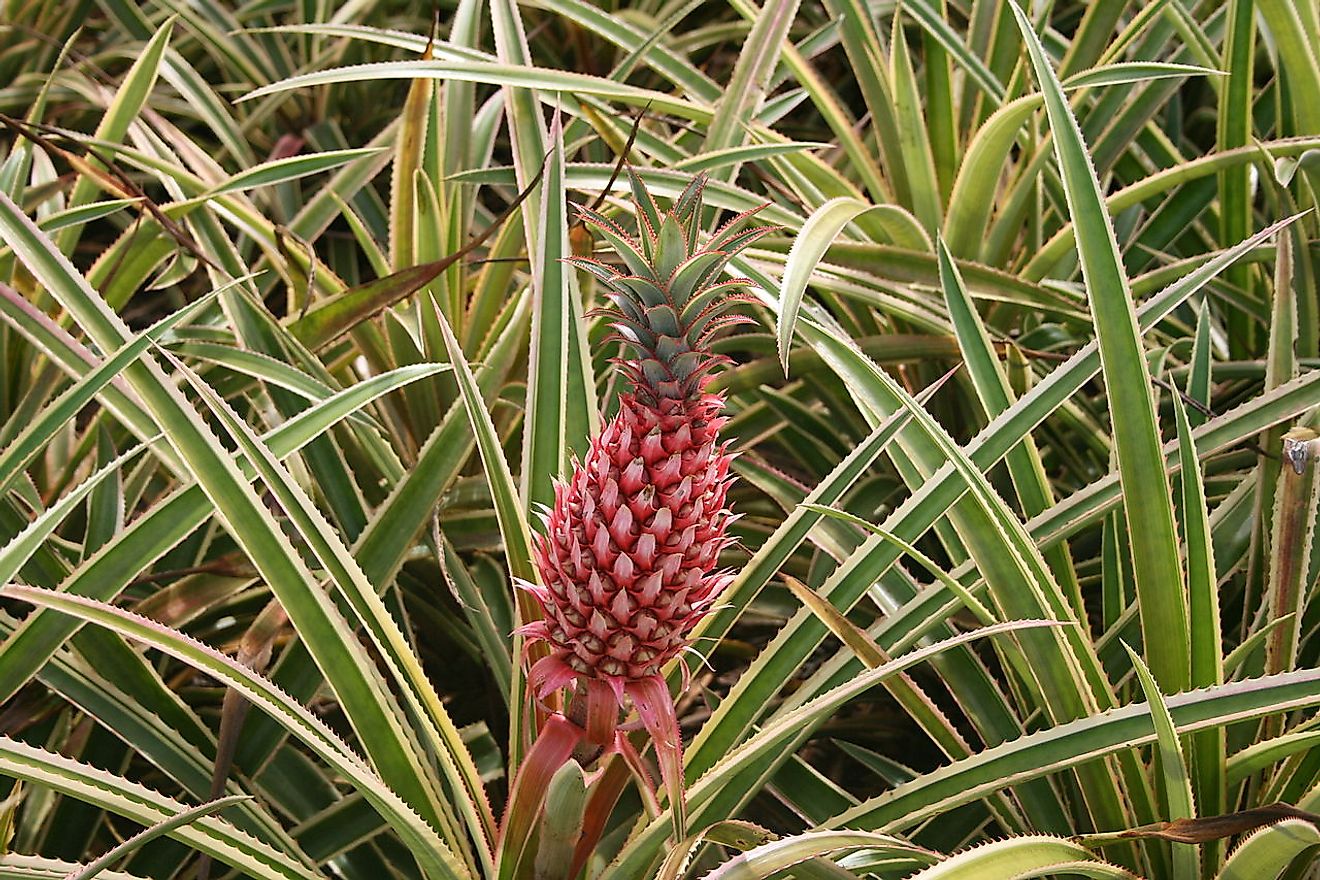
[[1112, 299]]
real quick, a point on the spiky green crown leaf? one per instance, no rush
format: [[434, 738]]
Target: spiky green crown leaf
[[668, 297]]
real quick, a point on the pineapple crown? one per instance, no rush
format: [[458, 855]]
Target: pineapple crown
[[668, 299]]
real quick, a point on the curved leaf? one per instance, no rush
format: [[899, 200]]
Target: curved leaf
[[424, 843], [207, 834], [770, 858], [1266, 854]]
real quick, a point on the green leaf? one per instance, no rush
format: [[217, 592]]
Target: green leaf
[[1177, 786], [385, 542], [279, 171], [21, 450], [766, 747], [797, 526], [969, 601], [1124, 72], [1233, 129], [381, 36], [15, 553], [514, 530], [1205, 625], [930, 17], [439, 733], [513, 525], [906, 691], [992, 387], [978, 176], [1013, 858], [561, 821], [17, 866], [369, 706], [770, 858], [913, 139], [515, 75], [1146, 496], [734, 156], [210, 835], [83, 214], [1266, 854], [137, 719], [746, 89], [643, 47], [423, 842], [165, 826], [1296, 37], [1260, 755], [269, 370], [1198, 377], [125, 105], [157, 530], [866, 56], [1085, 505], [556, 422], [809, 246], [1085, 739], [777, 664]]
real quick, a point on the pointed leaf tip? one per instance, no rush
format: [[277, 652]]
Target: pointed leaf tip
[[813, 240]]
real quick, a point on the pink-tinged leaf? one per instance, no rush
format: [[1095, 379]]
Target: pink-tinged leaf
[[645, 784], [602, 712], [548, 674], [552, 748], [656, 709], [51, 330]]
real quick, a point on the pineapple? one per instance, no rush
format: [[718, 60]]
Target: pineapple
[[628, 560]]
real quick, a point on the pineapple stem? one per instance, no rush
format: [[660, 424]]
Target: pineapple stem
[[586, 753]]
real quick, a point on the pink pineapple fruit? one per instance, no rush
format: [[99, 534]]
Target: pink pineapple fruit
[[628, 561]]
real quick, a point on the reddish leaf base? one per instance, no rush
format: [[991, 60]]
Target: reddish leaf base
[[561, 737]]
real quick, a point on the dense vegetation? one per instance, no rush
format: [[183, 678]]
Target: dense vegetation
[[292, 355]]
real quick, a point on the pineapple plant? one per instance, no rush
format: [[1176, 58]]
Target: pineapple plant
[[630, 552], [244, 396]]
